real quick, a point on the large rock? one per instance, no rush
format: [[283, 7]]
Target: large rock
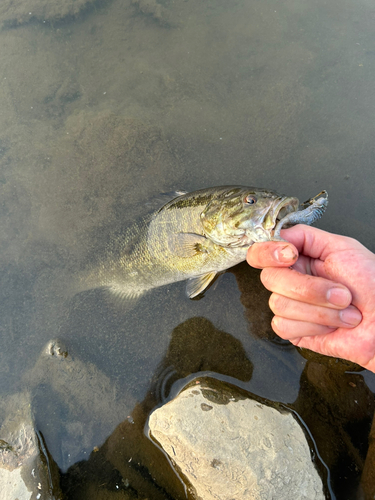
[[229, 447]]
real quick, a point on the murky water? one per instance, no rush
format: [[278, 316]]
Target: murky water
[[103, 110]]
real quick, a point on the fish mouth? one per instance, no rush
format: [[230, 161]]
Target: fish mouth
[[279, 209]]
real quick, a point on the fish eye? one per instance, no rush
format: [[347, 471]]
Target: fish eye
[[250, 199]]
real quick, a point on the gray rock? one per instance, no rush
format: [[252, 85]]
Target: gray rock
[[14, 12], [153, 9], [93, 404], [13, 486], [26, 469], [231, 447]]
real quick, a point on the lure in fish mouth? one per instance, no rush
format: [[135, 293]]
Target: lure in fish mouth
[[196, 236], [278, 211], [311, 211]]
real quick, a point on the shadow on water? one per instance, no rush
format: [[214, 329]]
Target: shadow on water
[[78, 399], [104, 108], [193, 348], [334, 404]]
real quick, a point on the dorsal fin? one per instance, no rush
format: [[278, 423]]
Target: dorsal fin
[[158, 201]]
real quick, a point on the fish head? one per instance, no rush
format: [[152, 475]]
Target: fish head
[[240, 216]]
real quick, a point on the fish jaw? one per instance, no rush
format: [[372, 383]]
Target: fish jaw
[[262, 229], [279, 209]]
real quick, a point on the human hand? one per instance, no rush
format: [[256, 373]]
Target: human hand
[[326, 301]]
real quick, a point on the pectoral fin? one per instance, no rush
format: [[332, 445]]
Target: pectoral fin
[[195, 286], [188, 244]]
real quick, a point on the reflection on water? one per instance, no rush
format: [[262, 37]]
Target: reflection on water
[[109, 105]]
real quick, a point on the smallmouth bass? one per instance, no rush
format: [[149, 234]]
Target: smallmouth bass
[[195, 237]]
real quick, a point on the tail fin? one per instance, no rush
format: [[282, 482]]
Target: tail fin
[[57, 291], [53, 292]]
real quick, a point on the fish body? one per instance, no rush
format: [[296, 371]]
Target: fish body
[[193, 237]]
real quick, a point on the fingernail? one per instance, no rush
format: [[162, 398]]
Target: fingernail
[[285, 254], [339, 296], [351, 316]]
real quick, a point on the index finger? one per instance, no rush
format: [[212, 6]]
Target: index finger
[[316, 243]]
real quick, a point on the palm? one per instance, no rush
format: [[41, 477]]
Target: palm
[[326, 301], [355, 268]]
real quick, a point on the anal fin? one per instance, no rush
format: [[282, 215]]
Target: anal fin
[[122, 299]]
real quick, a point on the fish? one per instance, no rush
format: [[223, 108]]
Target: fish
[[194, 237]]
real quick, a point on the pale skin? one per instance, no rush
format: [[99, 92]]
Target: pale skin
[[326, 301]]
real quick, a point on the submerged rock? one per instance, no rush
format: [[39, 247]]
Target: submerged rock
[[91, 402], [26, 468], [153, 9], [15, 12], [228, 446]]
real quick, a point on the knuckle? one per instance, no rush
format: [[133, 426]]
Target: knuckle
[[278, 304], [278, 326], [304, 286], [269, 277]]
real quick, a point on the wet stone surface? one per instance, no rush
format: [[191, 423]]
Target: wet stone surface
[[236, 447], [26, 469]]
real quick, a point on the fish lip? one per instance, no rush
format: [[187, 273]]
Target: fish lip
[[279, 210]]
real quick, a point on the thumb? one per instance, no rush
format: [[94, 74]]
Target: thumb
[[272, 254]]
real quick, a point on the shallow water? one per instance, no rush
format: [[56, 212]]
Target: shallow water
[[101, 112]]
